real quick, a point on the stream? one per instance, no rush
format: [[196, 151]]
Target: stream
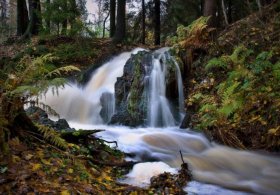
[[216, 169]]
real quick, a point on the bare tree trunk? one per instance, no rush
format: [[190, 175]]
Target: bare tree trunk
[[37, 20], [143, 22], [104, 24], [112, 17], [157, 22], [121, 23], [259, 5], [210, 9], [201, 7], [22, 17], [73, 10], [249, 6], [48, 21], [229, 11], [224, 12], [3, 6], [64, 23]]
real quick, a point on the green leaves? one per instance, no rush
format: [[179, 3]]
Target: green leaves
[[251, 87], [51, 135], [222, 62], [61, 71]]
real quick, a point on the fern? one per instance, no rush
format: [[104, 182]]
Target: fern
[[261, 62], [208, 108], [240, 54], [62, 70], [276, 71], [222, 62], [52, 136]]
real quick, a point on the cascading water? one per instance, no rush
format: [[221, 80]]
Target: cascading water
[[84, 104], [210, 163], [160, 113]]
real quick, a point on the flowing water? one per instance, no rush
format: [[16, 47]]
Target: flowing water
[[160, 113], [214, 167]]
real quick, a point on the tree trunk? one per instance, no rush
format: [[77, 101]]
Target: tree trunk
[[37, 20], [104, 25], [74, 12], [143, 22], [259, 5], [112, 17], [225, 12], [64, 27], [48, 21], [3, 6], [229, 13], [201, 6], [157, 22], [249, 6], [210, 9], [120, 29], [22, 17], [64, 23]]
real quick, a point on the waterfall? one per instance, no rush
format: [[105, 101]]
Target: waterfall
[[84, 105], [160, 113], [210, 163]]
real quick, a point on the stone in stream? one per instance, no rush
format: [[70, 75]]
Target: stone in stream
[[186, 121], [167, 183]]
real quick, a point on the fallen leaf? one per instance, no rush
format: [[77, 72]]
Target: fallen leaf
[[36, 166], [64, 192], [28, 156]]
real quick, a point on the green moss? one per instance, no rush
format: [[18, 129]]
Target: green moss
[[134, 92]]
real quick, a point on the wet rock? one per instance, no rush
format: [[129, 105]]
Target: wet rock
[[132, 89], [167, 183], [61, 124], [186, 121], [130, 94], [40, 116], [107, 103]]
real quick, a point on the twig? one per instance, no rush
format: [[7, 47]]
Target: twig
[[182, 157]]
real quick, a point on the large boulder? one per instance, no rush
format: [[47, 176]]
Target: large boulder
[[132, 89], [131, 98]]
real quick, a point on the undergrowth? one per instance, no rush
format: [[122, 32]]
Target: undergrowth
[[239, 97]]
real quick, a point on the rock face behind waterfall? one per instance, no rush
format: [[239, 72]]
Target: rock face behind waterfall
[[132, 89]]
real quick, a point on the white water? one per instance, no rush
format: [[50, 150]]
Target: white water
[[213, 164], [83, 104], [160, 114]]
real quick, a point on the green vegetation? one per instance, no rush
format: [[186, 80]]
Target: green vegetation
[[234, 95], [30, 77]]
